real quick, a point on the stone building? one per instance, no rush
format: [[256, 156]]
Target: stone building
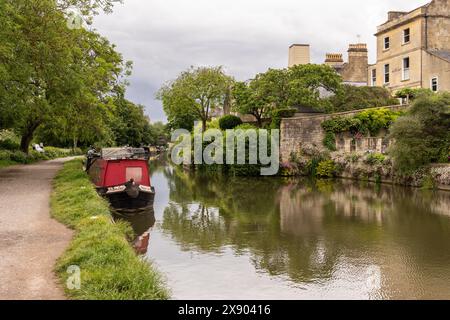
[[413, 49], [353, 72]]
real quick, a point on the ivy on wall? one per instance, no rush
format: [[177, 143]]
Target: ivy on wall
[[365, 123]]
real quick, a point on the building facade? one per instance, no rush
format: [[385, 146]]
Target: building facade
[[413, 49]]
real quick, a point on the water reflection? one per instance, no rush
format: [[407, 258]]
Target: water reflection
[[141, 220], [317, 236]]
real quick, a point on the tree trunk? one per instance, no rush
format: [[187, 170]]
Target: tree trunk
[[204, 125], [259, 121], [25, 142], [27, 137]]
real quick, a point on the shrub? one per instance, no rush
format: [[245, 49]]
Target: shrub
[[330, 141], [9, 145], [279, 114], [326, 169], [229, 122], [422, 136], [213, 124], [375, 158], [369, 121], [355, 98], [413, 93], [19, 156]]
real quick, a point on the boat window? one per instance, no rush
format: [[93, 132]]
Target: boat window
[[134, 173]]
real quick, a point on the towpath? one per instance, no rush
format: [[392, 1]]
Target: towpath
[[30, 240]]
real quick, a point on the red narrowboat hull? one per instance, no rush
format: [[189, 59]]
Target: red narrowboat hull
[[125, 182]]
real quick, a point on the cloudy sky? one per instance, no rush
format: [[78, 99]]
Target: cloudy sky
[[165, 37]]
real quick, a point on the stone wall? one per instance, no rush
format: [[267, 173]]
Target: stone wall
[[307, 130], [438, 25]]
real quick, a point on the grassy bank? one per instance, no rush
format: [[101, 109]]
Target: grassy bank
[[13, 157], [109, 267]]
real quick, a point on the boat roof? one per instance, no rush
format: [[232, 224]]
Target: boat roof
[[124, 153]]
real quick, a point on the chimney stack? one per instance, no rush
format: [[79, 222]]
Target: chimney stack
[[299, 54], [334, 59], [358, 61], [395, 14]]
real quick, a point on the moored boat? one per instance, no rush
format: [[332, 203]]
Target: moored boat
[[122, 176]]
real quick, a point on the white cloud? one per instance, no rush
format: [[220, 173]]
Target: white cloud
[[165, 37]]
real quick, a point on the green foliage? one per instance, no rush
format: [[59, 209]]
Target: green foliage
[[423, 135], [229, 122], [109, 267], [60, 89], [326, 169], [375, 158], [75, 95], [194, 95], [246, 126], [374, 120], [299, 86], [368, 121], [330, 141], [11, 157], [305, 83], [279, 114], [428, 183], [413, 93], [355, 98]]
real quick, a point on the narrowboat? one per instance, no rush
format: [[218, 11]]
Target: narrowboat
[[122, 176]]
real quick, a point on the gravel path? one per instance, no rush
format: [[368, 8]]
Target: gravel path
[[30, 241]]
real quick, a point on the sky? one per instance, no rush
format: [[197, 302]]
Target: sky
[[246, 37]]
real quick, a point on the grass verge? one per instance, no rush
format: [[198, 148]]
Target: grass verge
[[110, 269], [14, 157]]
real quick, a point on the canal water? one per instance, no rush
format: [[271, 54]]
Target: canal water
[[274, 238]]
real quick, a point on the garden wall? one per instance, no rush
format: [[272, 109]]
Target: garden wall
[[307, 129]]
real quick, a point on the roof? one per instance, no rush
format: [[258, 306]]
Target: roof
[[299, 45], [123, 153], [443, 54]]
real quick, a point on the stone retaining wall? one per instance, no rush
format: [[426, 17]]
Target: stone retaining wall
[[307, 129]]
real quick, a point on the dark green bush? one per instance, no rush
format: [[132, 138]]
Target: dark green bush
[[9, 145], [19, 157], [355, 98], [279, 114], [229, 122]]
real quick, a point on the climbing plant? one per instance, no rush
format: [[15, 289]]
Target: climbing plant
[[367, 122]]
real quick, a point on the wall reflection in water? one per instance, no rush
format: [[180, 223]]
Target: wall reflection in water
[[317, 232]]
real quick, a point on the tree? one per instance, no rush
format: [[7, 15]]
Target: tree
[[40, 80], [423, 136], [246, 102], [298, 86], [52, 75], [263, 94], [129, 124], [354, 98], [309, 83], [197, 91]]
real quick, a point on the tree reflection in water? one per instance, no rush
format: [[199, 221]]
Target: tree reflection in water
[[306, 229]]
